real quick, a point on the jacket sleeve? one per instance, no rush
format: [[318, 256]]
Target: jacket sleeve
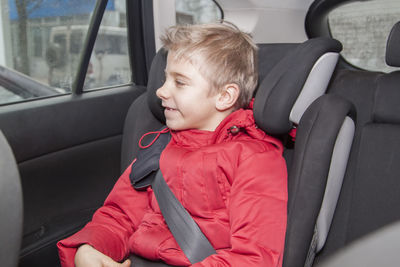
[[111, 225], [257, 213]]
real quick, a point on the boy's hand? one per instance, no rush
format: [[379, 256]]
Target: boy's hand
[[86, 255]]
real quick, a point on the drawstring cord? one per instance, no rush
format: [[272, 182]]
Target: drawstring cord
[[165, 130], [293, 133]]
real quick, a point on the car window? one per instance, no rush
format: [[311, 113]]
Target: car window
[[197, 11], [43, 40], [6, 95], [363, 27], [109, 62]]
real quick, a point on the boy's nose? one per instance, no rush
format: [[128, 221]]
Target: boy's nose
[[162, 92]]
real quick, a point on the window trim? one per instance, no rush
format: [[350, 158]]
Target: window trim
[[94, 25], [141, 41], [18, 83], [220, 10], [317, 24]]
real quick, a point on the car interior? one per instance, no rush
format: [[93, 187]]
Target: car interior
[[63, 149]]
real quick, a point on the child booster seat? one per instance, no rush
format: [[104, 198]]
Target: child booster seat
[[286, 91]]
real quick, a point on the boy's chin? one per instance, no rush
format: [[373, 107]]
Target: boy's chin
[[174, 127]]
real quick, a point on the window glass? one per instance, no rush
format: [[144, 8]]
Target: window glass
[[34, 41], [109, 62], [8, 96], [197, 11], [363, 27], [43, 40]]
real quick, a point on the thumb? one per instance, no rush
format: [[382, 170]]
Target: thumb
[[112, 263], [126, 263]]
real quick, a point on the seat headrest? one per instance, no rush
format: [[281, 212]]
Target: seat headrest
[[386, 107], [393, 46], [156, 80], [294, 83]]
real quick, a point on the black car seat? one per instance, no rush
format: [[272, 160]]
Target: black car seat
[[10, 206], [288, 85], [371, 192], [317, 164]]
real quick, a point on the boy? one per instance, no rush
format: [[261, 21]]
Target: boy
[[228, 174]]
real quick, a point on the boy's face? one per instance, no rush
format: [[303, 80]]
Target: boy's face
[[187, 99]]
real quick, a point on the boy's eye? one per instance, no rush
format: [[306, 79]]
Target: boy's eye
[[179, 83]]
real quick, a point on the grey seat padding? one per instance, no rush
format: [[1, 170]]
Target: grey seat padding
[[10, 206], [380, 248]]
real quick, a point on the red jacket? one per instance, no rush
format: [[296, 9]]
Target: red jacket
[[233, 183]]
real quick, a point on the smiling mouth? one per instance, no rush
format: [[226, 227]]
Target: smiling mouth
[[169, 109]]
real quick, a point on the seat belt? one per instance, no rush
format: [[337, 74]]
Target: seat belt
[[187, 233], [146, 172]]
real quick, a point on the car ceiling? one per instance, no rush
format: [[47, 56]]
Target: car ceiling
[[253, 16]]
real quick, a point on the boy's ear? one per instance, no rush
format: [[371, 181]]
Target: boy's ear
[[227, 97]]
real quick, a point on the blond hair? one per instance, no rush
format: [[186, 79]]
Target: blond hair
[[227, 55]]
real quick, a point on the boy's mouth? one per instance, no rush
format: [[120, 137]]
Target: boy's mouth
[[169, 108]]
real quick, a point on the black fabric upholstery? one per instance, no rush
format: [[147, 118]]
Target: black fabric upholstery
[[393, 47], [315, 140], [351, 84], [156, 80], [269, 55], [359, 88], [10, 206], [279, 90], [387, 97], [376, 194], [139, 121]]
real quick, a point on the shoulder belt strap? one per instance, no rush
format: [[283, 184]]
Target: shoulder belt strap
[[186, 232]]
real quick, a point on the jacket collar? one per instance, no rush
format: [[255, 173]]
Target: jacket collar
[[236, 124]]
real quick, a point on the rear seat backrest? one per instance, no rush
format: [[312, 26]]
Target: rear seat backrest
[[376, 188], [371, 192]]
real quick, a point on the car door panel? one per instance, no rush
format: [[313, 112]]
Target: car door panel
[[68, 153]]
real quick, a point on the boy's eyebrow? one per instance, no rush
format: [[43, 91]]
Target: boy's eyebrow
[[176, 74]]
